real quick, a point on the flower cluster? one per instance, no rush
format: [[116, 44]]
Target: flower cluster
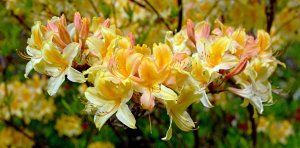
[[278, 131], [10, 137], [26, 100], [69, 126], [178, 72]]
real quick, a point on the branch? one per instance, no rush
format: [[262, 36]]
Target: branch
[[250, 109], [180, 15], [270, 13], [20, 20], [10, 124], [140, 4]]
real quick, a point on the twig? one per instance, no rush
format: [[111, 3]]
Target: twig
[[180, 15], [158, 15], [270, 13], [10, 124], [94, 7], [140, 4], [253, 125], [20, 20]]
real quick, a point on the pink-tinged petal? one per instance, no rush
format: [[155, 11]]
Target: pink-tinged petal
[[51, 26], [147, 100], [77, 21], [132, 39], [106, 23], [251, 48], [190, 31], [202, 30], [238, 69], [84, 31]]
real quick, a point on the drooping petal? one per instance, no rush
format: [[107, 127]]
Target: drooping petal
[[169, 132], [54, 83], [29, 67], [75, 76], [183, 120], [125, 116], [103, 114], [205, 101]]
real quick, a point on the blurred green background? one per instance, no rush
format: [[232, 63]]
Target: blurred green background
[[60, 121]]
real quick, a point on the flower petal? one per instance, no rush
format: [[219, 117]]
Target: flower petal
[[70, 52], [169, 132], [166, 93], [54, 83], [29, 67], [205, 101], [125, 116], [92, 96], [103, 114], [75, 76]]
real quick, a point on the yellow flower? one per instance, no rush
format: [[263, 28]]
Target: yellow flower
[[68, 125], [151, 73], [61, 63], [100, 144], [9, 137], [109, 96], [263, 124], [254, 80], [189, 94], [280, 131], [34, 48]]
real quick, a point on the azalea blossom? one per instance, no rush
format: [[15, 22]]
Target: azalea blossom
[[198, 61]]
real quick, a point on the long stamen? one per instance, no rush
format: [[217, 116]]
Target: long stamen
[[23, 55]]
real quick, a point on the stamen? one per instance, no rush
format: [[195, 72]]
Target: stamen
[[23, 55]]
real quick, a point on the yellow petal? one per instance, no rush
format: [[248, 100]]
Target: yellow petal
[[264, 40], [54, 83], [52, 55], [162, 55], [165, 93], [125, 116], [169, 132]]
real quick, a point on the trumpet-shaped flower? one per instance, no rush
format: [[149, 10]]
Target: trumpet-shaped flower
[[256, 88], [110, 95], [190, 93], [34, 48], [62, 63], [151, 73]]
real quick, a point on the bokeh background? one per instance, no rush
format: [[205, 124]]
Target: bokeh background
[[31, 118]]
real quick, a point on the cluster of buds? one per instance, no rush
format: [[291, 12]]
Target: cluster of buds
[[180, 71]]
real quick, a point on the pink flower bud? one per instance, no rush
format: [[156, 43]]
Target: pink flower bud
[[132, 39], [77, 21], [106, 23], [147, 100], [84, 31]]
